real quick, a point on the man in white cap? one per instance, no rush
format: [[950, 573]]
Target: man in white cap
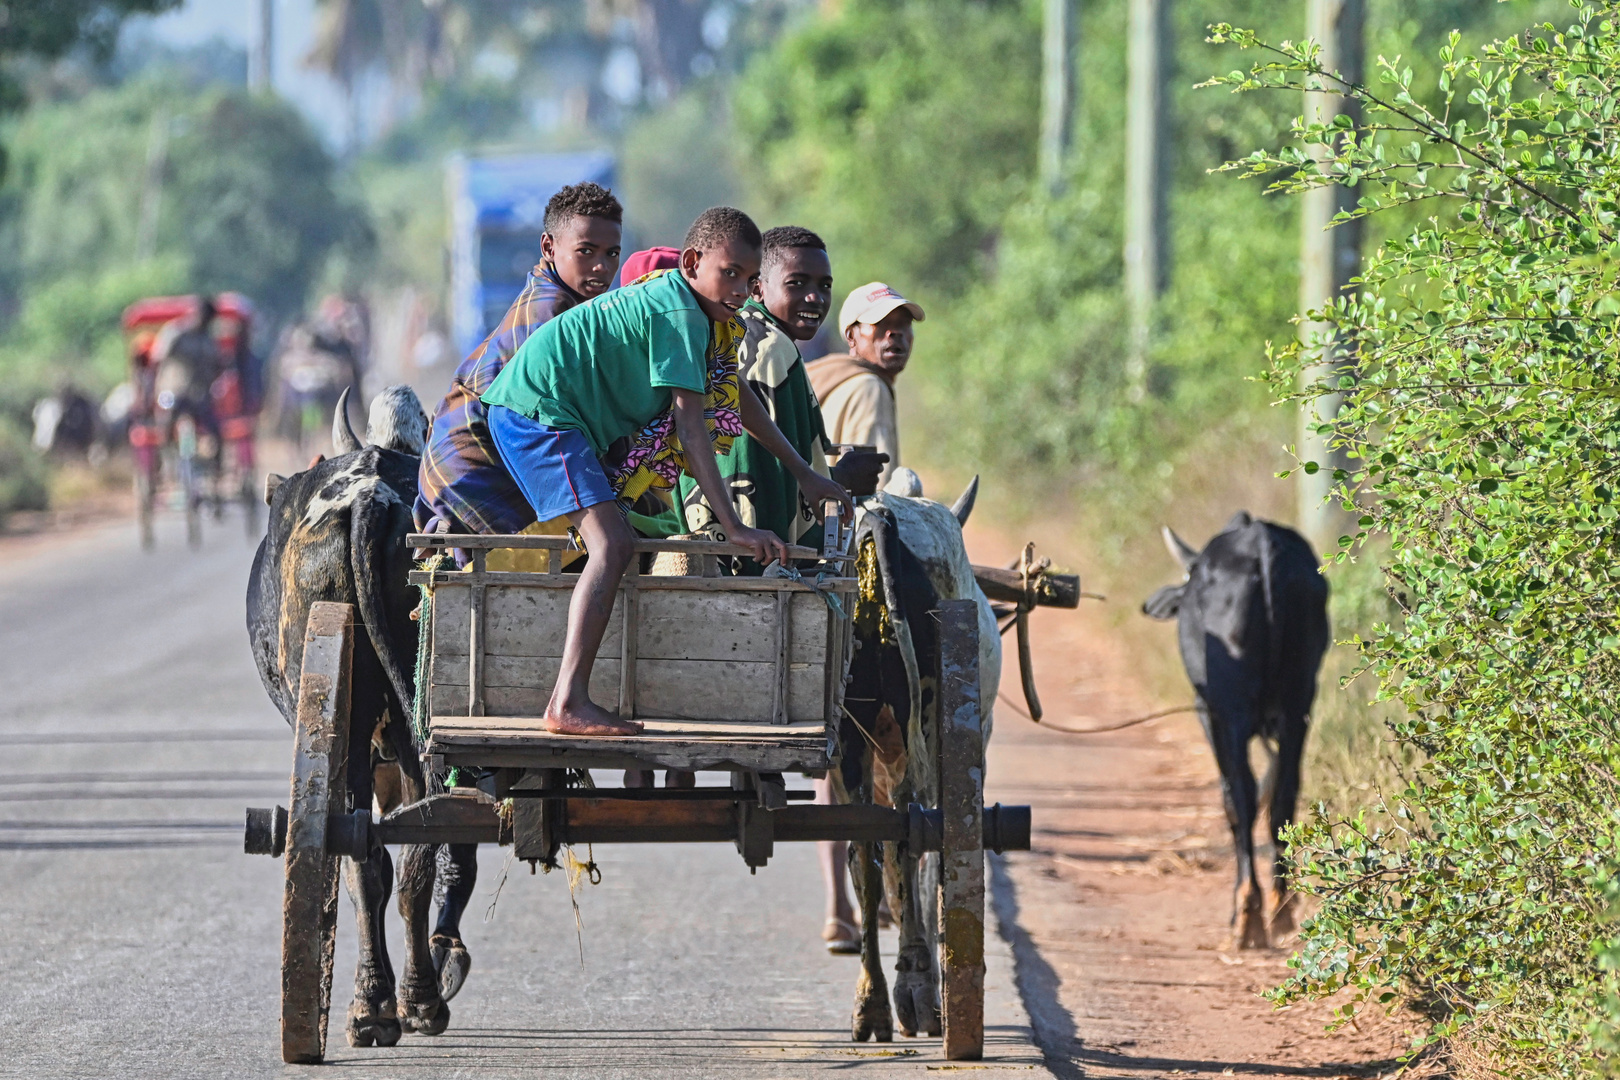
[[856, 390]]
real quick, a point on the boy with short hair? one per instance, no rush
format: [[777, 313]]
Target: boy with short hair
[[462, 486], [788, 305], [606, 371]]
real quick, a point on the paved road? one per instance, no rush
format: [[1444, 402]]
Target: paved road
[[141, 942]]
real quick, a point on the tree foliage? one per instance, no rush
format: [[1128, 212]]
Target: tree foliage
[[1484, 425]]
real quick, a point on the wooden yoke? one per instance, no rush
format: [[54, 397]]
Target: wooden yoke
[[961, 797]]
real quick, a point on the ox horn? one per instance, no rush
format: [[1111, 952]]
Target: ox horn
[[344, 440], [1178, 549], [963, 506]]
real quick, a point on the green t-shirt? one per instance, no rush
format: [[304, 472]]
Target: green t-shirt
[[606, 367]]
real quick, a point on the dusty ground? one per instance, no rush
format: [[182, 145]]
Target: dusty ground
[[1122, 907]]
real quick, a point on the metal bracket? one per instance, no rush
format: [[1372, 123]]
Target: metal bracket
[[756, 835]]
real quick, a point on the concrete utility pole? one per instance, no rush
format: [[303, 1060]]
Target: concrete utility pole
[[1057, 90], [1329, 258], [261, 64], [1146, 180]]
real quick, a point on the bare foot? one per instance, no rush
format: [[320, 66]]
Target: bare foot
[[587, 718]]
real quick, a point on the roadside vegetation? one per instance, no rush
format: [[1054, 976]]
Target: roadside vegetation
[[1482, 426]]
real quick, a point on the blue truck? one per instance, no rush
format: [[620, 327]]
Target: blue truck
[[497, 209]]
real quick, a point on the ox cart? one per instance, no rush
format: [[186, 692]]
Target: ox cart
[[743, 675]]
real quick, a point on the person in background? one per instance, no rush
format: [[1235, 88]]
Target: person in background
[[463, 487], [856, 390]]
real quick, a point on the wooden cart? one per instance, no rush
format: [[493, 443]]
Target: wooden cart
[[739, 674]]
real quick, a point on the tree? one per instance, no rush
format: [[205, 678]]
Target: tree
[[47, 29]]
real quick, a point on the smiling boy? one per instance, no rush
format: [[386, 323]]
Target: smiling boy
[[462, 486], [601, 372], [787, 306]]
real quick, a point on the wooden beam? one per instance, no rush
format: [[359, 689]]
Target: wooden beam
[[961, 783], [1051, 590]]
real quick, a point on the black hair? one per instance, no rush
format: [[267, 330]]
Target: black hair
[[581, 200], [722, 224], [777, 242]]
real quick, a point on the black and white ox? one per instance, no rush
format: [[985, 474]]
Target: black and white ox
[[337, 533], [910, 557], [1252, 623]]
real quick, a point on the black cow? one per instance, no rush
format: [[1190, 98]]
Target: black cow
[[911, 550], [337, 533], [1252, 623]]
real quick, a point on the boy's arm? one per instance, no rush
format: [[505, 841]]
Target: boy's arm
[[815, 487], [688, 408]]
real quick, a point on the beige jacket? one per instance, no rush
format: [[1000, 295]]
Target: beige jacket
[[859, 408]]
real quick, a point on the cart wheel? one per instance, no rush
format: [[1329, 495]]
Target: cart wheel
[[319, 789], [961, 797]]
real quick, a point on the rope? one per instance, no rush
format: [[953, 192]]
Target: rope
[[1097, 730], [777, 570]]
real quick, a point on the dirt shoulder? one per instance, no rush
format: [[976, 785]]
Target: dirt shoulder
[[1122, 907]]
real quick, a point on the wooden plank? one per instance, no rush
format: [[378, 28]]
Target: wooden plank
[[784, 646], [475, 637], [657, 728], [679, 689], [672, 625], [521, 743], [630, 629], [961, 754], [521, 579], [319, 783], [1050, 590], [469, 542]]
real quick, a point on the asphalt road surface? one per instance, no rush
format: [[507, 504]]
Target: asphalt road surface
[[140, 942]]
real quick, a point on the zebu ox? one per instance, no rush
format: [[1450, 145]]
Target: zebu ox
[[910, 556], [1252, 625], [337, 533]]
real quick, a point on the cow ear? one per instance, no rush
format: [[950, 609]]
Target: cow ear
[[272, 481], [1164, 604], [1240, 520], [1179, 549]]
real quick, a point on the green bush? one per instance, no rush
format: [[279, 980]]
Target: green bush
[[1483, 430]]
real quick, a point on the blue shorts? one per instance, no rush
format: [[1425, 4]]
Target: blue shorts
[[555, 468]]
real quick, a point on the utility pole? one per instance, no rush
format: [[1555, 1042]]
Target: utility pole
[[1329, 258], [1057, 91], [1146, 180], [261, 64]]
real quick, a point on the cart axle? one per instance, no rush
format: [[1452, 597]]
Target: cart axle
[[539, 826]]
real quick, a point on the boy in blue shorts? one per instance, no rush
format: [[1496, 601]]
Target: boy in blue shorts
[[599, 373]]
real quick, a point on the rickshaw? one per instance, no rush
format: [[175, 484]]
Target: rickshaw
[[206, 459]]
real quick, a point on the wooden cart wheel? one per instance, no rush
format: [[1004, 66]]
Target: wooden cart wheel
[[961, 797], [319, 787]]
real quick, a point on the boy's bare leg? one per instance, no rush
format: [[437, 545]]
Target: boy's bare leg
[[834, 857], [611, 546]]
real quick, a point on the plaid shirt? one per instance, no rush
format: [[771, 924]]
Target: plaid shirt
[[462, 481]]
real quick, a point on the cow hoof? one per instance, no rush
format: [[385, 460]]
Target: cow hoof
[[879, 1027], [452, 962], [424, 1018], [372, 1026], [916, 1003]]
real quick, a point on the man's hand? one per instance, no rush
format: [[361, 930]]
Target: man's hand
[[817, 489], [766, 546], [858, 471]]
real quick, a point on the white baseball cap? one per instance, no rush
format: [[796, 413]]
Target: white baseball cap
[[871, 303]]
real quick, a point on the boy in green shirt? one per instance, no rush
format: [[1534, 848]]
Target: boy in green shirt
[[598, 374]]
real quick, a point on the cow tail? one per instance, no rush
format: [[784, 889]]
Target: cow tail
[[368, 551]]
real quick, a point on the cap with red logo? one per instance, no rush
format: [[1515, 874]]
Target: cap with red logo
[[872, 304]]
